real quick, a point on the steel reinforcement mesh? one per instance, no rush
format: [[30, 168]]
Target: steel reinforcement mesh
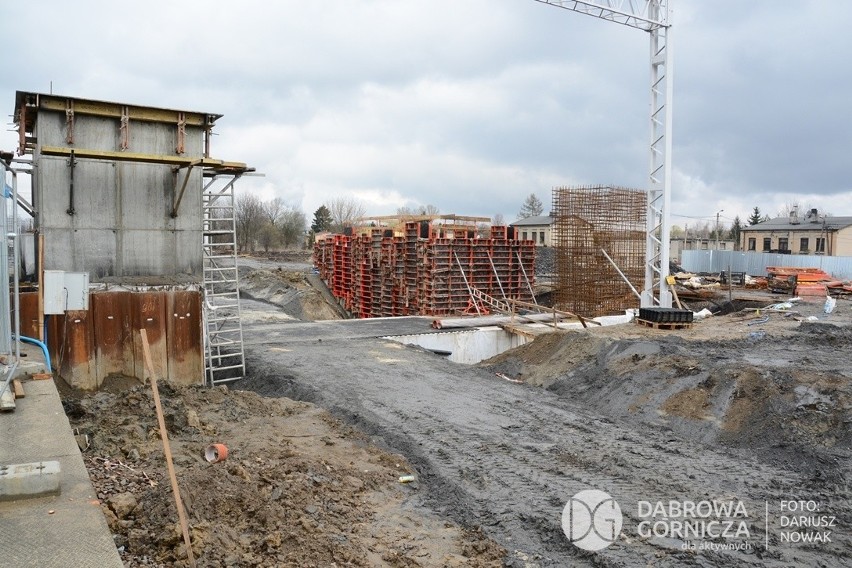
[[588, 220], [380, 276]]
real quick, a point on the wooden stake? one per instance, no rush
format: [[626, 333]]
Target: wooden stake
[[670, 280], [184, 527]]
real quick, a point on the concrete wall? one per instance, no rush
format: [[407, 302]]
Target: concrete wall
[[467, 346], [122, 226]]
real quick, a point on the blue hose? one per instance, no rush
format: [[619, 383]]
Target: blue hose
[[43, 349]]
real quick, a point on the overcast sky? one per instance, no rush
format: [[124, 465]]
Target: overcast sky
[[469, 105]]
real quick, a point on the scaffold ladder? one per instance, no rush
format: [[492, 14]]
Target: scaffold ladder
[[223, 337]]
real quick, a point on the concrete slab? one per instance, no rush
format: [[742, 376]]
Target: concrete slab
[[24, 480], [61, 530]]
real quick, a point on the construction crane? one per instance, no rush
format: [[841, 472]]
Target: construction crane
[[654, 17]]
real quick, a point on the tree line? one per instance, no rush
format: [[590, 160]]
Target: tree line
[[273, 223]]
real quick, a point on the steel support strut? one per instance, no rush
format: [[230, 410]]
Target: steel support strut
[[656, 290]]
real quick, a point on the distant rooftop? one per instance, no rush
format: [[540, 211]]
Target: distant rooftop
[[804, 224], [533, 221]]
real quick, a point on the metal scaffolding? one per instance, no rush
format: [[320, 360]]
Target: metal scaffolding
[[591, 223]]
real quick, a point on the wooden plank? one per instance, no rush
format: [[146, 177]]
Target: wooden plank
[[662, 325], [7, 400], [166, 448], [18, 388]]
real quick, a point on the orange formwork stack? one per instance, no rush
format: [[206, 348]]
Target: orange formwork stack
[[420, 273]]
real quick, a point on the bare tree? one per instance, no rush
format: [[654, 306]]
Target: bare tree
[[269, 236], [248, 214], [420, 210], [345, 210], [273, 209], [292, 225], [497, 220]]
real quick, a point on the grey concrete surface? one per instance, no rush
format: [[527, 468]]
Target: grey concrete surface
[[507, 457], [61, 530]]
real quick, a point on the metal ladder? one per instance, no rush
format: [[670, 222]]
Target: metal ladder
[[491, 301], [223, 337]]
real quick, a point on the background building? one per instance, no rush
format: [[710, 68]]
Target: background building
[[538, 229], [813, 234]]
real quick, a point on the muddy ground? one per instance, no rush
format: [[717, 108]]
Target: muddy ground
[[727, 411], [773, 384], [734, 409], [298, 488]]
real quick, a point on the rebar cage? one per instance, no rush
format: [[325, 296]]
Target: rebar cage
[[587, 222]]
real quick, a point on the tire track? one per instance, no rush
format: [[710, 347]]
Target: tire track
[[507, 457]]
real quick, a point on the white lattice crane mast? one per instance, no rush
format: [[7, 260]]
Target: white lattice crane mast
[[654, 17]]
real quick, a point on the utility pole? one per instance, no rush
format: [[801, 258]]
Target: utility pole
[[717, 227]]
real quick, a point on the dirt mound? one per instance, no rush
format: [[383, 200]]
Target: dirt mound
[[291, 290], [784, 397], [297, 489]]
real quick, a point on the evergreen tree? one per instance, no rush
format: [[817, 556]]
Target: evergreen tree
[[532, 207], [322, 220], [756, 217], [736, 231]]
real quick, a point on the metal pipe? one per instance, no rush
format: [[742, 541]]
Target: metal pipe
[[16, 256], [479, 321], [469, 290], [524, 270], [72, 163], [9, 374], [497, 276], [620, 273]]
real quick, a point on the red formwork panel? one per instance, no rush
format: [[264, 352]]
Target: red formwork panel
[[381, 276]]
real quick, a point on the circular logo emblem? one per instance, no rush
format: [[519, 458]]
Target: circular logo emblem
[[591, 520]]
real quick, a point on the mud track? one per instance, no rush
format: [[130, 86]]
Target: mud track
[[508, 456]]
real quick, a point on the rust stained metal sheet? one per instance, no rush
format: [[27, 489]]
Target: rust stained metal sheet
[[77, 357], [88, 347], [148, 312], [29, 314], [113, 339], [183, 329]]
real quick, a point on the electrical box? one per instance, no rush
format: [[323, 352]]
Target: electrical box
[[65, 291]]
